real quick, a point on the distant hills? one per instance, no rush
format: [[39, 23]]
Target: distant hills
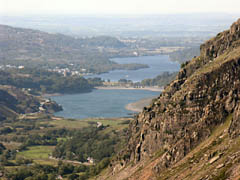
[[35, 48], [141, 26]]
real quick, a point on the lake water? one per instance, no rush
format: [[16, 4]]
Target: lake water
[[100, 103], [111, 103], [157, 65]]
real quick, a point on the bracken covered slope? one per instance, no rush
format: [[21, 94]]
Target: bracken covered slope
[[192, 130]]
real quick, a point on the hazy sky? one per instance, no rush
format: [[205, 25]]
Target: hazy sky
[[117, 6]]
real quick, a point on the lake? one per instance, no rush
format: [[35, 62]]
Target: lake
[[111, 103], [157, 65], [100, 103]]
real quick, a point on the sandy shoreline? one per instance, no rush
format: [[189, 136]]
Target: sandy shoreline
[[132, 88], [133, 108], [139, 105]]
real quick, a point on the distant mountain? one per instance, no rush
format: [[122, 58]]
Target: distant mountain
[[102, 41], [35, 48], [154, 25], [192, 130]]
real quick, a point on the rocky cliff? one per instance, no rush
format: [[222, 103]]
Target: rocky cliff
[[191, 114]]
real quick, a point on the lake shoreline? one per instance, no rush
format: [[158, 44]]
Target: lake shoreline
[[53, 94], [139, 105], [100, 103], [157, 65], [133, 108], [155, 89], [47, 95]]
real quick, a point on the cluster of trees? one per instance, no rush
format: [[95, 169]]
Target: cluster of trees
[[48, 138], [49, 172], [47, 82], [124, 81], [97, 67], [160, 80], [37, 139], [77, 145], [89, 142]]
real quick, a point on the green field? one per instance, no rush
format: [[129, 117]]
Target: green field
[[37, 152], [41, 125], [116, 123]]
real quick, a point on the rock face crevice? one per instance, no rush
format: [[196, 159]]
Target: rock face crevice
[[205, 92]]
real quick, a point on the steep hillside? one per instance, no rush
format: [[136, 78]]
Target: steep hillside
[[14, 101], [192, 130], [27, 44]]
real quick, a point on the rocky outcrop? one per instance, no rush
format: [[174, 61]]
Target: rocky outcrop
[[205, 93], [222, 42]]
